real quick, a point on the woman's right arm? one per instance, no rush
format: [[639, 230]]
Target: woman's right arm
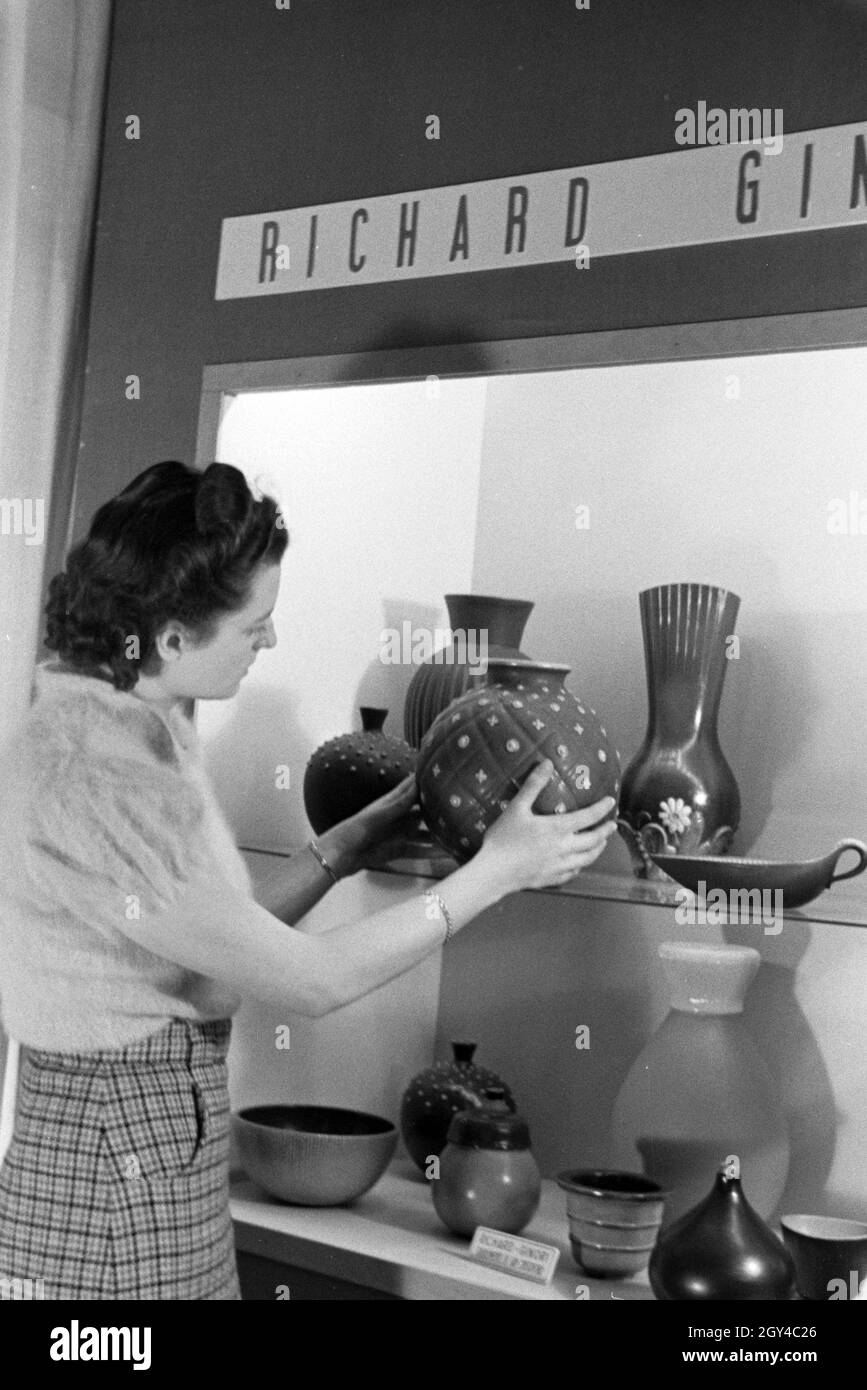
[[225, 935]]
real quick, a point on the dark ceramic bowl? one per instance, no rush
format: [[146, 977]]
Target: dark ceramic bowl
[[825, 1249], [314, 1155], [613, 1218], [798, 883]]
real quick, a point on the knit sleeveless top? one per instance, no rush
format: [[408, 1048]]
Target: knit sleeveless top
[[107, 815]]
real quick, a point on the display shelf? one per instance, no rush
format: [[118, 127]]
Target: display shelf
[[843, 905], [391, 1239]]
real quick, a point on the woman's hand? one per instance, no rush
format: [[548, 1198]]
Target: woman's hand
[[376, 834], [540, 851]]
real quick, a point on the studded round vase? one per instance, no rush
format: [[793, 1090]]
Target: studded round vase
[[699, 1094], [487, 1174], [433, 1098], [679, 794], [478, 753], [479, 624], [345, 774]]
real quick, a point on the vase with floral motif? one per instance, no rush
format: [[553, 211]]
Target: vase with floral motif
[[679, 794]]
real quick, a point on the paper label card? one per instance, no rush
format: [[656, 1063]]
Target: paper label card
[[529, 1259]]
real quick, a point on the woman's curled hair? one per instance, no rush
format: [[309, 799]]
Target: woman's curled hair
[[175, 544]]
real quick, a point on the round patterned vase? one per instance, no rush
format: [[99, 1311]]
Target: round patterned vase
[[433, 1098], [480, 625], [478, 753], [345, 774], [679, 793], [699, 1095]]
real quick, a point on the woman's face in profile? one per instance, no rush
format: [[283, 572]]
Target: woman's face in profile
[[214, 670]]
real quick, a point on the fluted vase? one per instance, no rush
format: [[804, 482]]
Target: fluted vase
[[447, 675], [679, 794]]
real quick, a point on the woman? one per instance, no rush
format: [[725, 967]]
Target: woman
[[128, 930]]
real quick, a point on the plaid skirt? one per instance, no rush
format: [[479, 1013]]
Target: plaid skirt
[[116, 1182]]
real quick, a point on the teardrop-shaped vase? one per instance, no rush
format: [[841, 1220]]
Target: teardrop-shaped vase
[[721, 1249]]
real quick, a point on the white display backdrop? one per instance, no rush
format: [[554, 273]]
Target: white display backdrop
[[379, 488], [577, 489], [722, 471]]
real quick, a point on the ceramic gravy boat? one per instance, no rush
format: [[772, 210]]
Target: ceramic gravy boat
[[799, 882]]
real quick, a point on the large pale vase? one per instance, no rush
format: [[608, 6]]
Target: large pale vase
[[699, 1095]]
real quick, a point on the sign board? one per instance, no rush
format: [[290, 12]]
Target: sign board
[[803, 182]]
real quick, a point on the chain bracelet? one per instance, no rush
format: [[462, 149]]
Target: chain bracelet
[[444, 912], [322, 861]]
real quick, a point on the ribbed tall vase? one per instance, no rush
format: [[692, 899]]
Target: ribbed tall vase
[[679, 794], [442, 679]]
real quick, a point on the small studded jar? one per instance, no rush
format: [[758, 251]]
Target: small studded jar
[[479, 752], [433, 1098], [345, 774]]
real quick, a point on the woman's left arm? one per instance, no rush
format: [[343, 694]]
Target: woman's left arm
[[345, 848]]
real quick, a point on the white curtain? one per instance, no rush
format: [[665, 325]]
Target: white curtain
[[53, 58]]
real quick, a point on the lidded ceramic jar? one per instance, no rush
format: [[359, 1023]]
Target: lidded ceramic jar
[[488, 1175], [478, 753], [437, 1094], [347, 773]]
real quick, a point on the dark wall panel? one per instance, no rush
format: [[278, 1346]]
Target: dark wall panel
[[245, 108]]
